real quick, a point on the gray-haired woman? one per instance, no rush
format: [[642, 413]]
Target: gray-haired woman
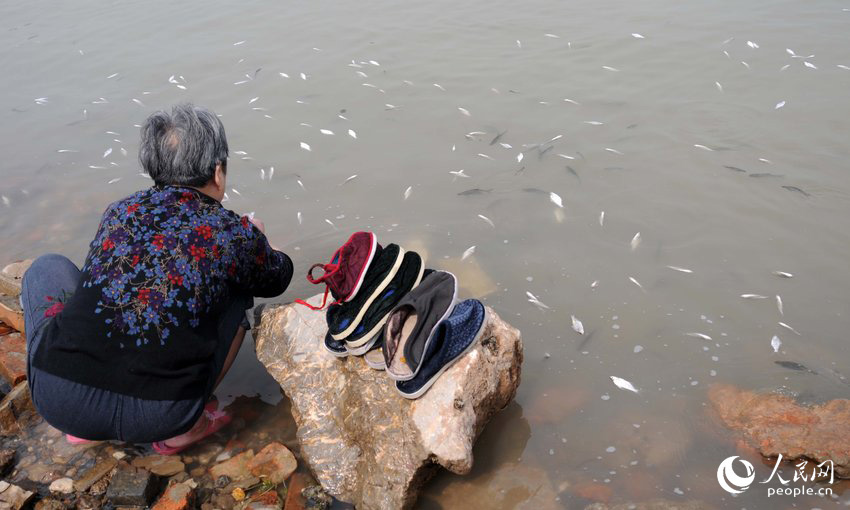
[[132, 346]]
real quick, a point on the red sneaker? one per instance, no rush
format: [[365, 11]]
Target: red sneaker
[[344, 274]]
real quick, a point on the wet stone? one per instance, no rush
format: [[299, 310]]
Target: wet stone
[[274, 462], [49, 504], [11, 312], [131, 487], [7, 461], [162, 465], [13, 497], [62, 486], [316, 497], [17, 412], [236, 468], [383, 467], [13, 358], [99, 487], [95, 474], [267, 500], [179, 496], [294, 499], [88, 502], [776, 424]]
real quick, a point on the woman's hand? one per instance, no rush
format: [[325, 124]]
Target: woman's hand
[[258, 223]]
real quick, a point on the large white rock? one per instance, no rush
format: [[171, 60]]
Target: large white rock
[[366, 444]]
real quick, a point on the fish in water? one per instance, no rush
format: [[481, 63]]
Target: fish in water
[[498, 137], [735, 168], [573, 171], [798, 190], [535, 190], [544, 151], [475, 191], [765, 174], [793, 365]]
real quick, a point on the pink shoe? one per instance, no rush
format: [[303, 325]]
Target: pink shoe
[[77, 440], [216, 420]]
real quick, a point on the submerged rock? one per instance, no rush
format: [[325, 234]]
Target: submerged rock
[[776, 424], [366, 444], [13, 497]]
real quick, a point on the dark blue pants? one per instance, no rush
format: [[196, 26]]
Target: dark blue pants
[[98, 414]]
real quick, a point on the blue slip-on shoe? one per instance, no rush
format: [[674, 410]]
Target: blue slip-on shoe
[[411, 324], [452, 338]]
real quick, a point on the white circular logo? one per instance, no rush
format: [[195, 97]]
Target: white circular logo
[[729, 480]]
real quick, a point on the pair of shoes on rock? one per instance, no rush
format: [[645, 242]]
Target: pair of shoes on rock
[[427, 332], [367, 281]]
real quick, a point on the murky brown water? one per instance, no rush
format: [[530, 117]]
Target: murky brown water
[[649, 143]]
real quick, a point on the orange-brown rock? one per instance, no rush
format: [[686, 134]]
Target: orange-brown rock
[[274, 462], [776, 424], [13, 358]]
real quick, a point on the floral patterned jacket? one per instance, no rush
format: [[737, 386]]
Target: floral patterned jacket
[[164, 266]]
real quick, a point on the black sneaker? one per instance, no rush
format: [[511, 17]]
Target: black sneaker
[[343, 319], [405, 280]]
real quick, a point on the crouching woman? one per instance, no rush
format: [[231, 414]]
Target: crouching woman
[[132, 346]]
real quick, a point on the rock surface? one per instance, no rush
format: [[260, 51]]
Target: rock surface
[[274, 462], [13, 358], [366, 444], [774, 424], [17, 411], [177, 497], [13, 497], [162, 465], [131, 487], [11, 275]]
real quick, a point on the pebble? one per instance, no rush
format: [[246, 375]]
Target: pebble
[[62, 486]]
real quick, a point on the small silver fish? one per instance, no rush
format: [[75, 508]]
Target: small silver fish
[[776, 343], [352, 134], [488, 220], [699, 335], [300, 219], [635, 241], [305, 146], [349, 179], [753, 296], [779, 305], [623, 384], [680, 269], [578, 327], [636, 282], [464, 111], [468, 253], [789, 328], [407, 192], [602, 218], [783, 274]]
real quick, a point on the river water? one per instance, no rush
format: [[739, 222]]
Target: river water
[[647, 106]]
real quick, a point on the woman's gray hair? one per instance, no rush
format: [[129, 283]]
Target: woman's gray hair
[[183, 147]]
